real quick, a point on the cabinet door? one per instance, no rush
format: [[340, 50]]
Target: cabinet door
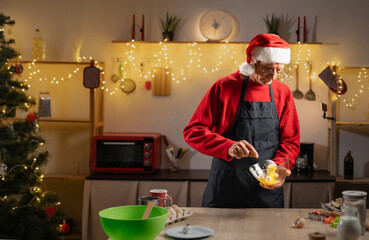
[[99, 195], [196, 191], [178, 190], [311, 194]]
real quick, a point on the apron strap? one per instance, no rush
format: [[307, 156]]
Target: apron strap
[[271, 93], [242, 99]]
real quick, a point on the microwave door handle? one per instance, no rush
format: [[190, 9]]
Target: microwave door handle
[[119, 143]]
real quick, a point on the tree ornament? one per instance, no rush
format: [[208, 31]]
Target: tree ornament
[[36, 126], [3, 169], [64, 228], [50, 211], [31, 117], [18, 68]]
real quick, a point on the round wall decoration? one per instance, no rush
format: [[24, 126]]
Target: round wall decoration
[[216, 25]]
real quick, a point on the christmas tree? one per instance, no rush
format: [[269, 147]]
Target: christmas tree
[[27, 210]]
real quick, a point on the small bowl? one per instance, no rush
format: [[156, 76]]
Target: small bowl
[[268, 172], [125, 222]]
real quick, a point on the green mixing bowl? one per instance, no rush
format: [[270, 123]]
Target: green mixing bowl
[[121, 223]]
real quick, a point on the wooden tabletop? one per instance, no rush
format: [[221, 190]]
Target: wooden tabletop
[[256, 224]]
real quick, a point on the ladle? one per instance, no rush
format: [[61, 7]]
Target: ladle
[[297, 93], [310, 95]]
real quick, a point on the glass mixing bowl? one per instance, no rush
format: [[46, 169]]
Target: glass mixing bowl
[[268, 172]]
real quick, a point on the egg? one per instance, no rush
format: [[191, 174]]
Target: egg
[[178, 209], [172, 212], [169, 214]]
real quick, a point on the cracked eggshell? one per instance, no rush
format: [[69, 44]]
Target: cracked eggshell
[[299, 223]]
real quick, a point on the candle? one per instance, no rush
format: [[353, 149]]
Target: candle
[[143, 28], [298, 29], [133, 27], [304, 28]]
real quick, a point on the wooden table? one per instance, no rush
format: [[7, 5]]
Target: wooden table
[[256, 224]]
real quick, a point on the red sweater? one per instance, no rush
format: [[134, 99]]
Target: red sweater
[[217, 111]]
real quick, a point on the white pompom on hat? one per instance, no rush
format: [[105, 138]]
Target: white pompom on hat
[[267, 48]]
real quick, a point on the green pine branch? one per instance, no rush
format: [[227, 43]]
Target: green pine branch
[[22, 211]]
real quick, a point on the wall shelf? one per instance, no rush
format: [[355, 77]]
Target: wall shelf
[[65, 120], [353, 123], [65, 177], [190, 42], [51, 62]]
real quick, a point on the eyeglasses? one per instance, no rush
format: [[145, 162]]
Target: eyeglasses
[[271, 71]]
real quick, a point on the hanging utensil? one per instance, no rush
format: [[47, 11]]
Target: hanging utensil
[[310, 95], [114, 77], [297, 93], [127, 85]]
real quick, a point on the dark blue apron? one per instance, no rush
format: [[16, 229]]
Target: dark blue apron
[[231, 185]]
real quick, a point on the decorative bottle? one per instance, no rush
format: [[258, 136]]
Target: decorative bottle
[[348, 166], [38, 52]]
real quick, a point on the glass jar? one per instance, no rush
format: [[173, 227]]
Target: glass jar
[[38, 49], [349, 227], [356, 199]]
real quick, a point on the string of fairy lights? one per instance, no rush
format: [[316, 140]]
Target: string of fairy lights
[[175, 71], [362, 77], [194, 60], [36, 191], [34, 72]]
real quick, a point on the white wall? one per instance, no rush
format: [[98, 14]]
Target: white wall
[[340, 25]]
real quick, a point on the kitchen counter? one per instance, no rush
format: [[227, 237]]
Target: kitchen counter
[[202, 175], [258, 224], [104, 190]]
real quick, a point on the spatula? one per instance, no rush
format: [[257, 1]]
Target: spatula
[[147, 212], [310, 95], [297, 93]]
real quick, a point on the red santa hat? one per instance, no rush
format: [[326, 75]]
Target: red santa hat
[[267, 48]]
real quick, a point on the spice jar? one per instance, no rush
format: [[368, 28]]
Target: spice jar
[[356, 200]]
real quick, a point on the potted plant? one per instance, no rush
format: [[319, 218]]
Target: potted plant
[[169, 25], [273, 24]]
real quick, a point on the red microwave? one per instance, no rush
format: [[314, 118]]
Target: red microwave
[[126, 152]]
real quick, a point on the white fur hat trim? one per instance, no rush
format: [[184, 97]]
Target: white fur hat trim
[[247, 69], [271, 55]]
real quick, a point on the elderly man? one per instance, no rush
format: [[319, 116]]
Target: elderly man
[[244, 118]]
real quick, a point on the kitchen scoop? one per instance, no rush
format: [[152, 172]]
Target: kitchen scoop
[[147, 212], [310, 95], [268, 172]]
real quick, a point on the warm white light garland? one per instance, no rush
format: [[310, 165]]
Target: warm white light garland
[[36, 191], [35, 73]]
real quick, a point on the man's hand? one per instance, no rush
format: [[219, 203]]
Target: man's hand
[[277, 185], [242, 149]]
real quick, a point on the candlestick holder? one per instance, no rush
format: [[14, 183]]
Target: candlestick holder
[[140, 29]]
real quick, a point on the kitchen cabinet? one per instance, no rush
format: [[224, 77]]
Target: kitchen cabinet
[[102, 190]]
